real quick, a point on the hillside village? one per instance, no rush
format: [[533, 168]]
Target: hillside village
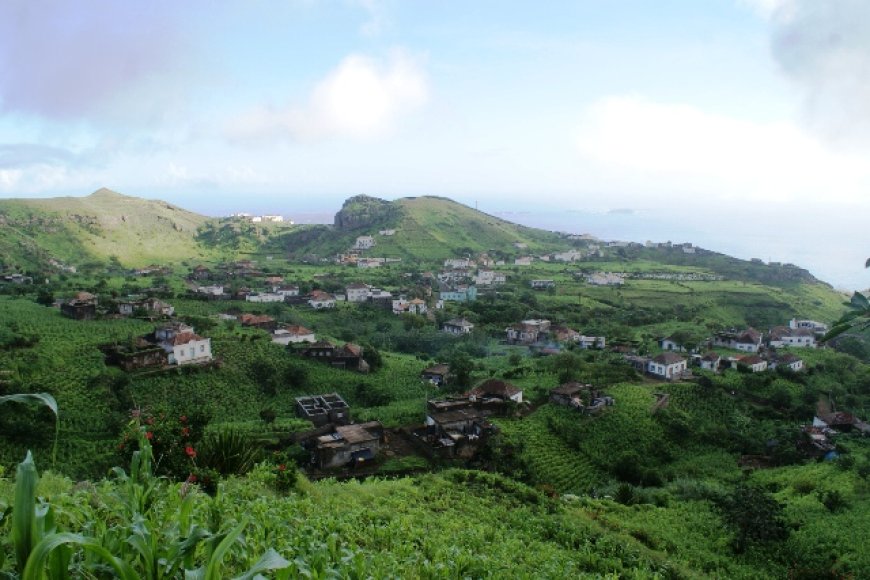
[[575, 366]]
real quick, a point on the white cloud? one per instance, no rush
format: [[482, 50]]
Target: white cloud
[[377, 17], [823, 47], [689, 150], [361, 99], [766, 8], [9, 179]]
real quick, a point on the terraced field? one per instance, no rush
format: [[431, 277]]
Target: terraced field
[[551, 460]]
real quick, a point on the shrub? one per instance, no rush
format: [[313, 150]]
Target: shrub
[[228, 452]]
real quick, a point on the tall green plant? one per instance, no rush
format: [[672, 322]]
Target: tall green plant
[[156, 544]]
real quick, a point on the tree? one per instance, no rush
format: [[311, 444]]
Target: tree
[[567, 366], [372, 356], [755, 517], [45, 297], [461, 366]]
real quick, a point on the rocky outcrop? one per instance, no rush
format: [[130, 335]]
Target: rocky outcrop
[[362, 211]]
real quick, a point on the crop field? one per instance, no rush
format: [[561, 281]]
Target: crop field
[[548, 459]]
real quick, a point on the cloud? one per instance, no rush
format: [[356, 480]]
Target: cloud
[[377, 17], [687, 150], [362, 98], [66, 60], [765, 8], [824, 48], [26, 154]]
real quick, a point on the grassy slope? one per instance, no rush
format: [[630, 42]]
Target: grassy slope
[[428, 229], [95, 227], [434, 228]]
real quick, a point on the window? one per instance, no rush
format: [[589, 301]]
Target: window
[[202, 348]]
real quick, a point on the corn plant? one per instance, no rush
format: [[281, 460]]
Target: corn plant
[[148, 542]]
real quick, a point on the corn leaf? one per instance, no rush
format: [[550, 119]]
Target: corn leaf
[[39, 398], [41, 553], [23, 511], [213, 566], [271, 560]]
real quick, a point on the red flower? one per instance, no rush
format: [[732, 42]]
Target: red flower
[[191, 478], [191, 452], [149, 435], [282, 467]]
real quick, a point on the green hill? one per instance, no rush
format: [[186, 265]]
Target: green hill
[[75, 230], [426, 229]]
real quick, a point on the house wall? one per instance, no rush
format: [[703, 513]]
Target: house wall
[[192, 352], [746, 346], [357, 294]]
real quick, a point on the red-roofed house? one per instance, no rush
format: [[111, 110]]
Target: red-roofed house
[[292, 333], [496, 389]]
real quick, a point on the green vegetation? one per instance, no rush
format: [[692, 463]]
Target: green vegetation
[[105, 224], [703, 478]]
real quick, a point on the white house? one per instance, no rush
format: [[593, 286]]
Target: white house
[[754, 362], [523, 261], [293, 333], [210, 290], [458, 326], [264, 297], [319, 299], [387, 232], [370, 262], [357, 292], [605, 279], [489, 278], [364, 243], [780, 336], [667, 366], [527, 331], [710, 361], [787, 360], [286, 290], [748, 340], [569, 256], [182, 344], [542, 284], [457, 263], [379, 294], [587, 342], [671, 345], [404, 306], [816, 327]]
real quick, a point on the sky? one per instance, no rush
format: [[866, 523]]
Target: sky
[[757, 111]]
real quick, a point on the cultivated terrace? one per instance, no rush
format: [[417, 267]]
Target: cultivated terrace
[[421, 391]]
